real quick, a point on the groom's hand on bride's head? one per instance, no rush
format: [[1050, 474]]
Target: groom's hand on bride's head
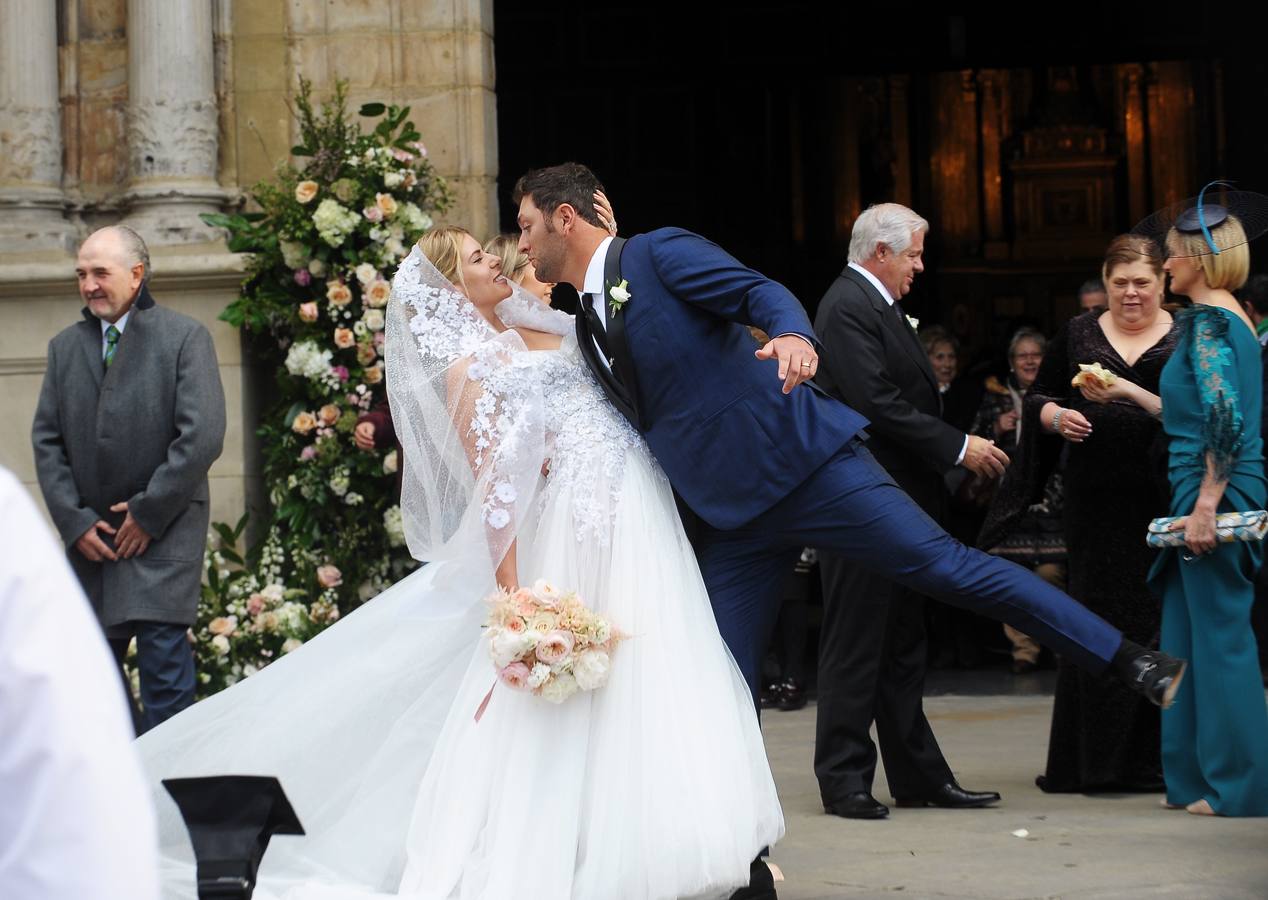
[[798, 361]]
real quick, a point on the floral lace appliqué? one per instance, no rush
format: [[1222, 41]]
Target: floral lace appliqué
[[1212, 359]]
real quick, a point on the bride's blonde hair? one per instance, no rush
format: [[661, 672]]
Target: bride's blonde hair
[[443, 247]]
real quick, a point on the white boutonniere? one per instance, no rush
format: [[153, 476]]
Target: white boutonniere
[[914, 323], [618, 295]]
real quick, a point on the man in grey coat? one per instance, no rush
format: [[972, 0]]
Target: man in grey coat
[[130, 418]]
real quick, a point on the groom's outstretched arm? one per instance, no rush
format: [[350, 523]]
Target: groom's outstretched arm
[[701, 273]]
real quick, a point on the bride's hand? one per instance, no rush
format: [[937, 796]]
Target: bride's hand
[[546, 469], [603, 208]]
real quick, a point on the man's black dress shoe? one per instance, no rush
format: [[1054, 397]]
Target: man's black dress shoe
[[791, 695], [1154, 674], [859, 805], [950, 796], [761, 883]]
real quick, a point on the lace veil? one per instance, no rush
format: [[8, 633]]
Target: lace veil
[[468, 409]]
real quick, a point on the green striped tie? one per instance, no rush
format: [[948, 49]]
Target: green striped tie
[[112, 343]]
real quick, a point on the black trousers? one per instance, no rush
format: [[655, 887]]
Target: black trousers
[[872, 653]]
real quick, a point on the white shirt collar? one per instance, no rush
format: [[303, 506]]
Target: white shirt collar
[[593, 283], [876, 282], [121, 324]]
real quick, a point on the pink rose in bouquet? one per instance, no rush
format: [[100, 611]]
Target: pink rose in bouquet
[[555, 647], [515, 676]]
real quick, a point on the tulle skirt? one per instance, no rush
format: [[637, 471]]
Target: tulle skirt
[[654, 786]]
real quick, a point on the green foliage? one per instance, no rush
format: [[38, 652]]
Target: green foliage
[[324, 241]]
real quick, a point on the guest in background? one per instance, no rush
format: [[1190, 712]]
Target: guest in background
[[872, 645], [1253, 297], [1092, 295], [1102, 738], [76, 819], [1215, 739], [130, 418], [1036, 541]]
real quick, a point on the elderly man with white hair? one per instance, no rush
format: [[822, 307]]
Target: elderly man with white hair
[[872, 647]]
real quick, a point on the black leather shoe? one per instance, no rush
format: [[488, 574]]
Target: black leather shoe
[[769, 696], [859, 805], [1156, 675], [791, 695], [950, 796], [761, 883]]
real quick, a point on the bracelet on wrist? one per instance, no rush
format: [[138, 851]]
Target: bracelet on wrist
[[1056, 420]]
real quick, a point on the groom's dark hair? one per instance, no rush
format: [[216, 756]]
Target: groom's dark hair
[[553, 186]]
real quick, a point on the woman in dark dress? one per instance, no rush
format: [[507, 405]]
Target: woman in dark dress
[[1103, 737]]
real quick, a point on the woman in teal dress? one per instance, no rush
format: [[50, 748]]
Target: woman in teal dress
[[1215, 736]]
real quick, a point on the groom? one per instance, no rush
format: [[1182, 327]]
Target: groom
[[768, 467]]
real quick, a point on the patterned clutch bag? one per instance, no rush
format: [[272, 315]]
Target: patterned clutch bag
[[1229, 527]]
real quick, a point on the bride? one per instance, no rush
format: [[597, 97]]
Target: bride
[[653, 786]]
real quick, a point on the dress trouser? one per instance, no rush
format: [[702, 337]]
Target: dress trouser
[[165, 662], [852, 507]]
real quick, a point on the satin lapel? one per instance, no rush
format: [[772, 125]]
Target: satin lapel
[[91, 343], [907, 337], [590, 353], [622, 359]]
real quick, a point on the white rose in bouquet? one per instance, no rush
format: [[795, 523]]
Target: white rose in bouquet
[[507, 646], [539, 675], [559, 688], [591, 668]]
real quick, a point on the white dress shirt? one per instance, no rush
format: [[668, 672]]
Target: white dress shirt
[[76, 815], [121, 324], [876, 283]]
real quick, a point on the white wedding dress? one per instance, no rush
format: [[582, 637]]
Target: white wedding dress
[[654, 786]]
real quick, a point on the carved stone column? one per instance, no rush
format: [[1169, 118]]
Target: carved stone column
[[31, 201], [172, 120]]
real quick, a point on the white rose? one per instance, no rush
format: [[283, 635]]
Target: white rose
[[366, 273], [221, 644], [373, 319], [619, 294], [539, 675], [591, 668], [393, 179], [390, 462], [293, 254], [291, 645], [317, 268], [559, 688], [546, 592], [506, 646]]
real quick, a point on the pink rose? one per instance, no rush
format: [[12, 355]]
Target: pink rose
[[256, 602], [379, 339], [554, 647], [419, 148], [402, 155], [303, 277], [515, 625], [373, 214], [308, 311], [344, 338], [329, 576], [340, 372], [515, 676], [308, 453]]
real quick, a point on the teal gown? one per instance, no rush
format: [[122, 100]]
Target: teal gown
[[1215, 736]]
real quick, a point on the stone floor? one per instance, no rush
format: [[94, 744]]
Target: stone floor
[[993, 730]]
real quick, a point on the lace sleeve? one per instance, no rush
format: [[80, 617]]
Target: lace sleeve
[[1211, 356]]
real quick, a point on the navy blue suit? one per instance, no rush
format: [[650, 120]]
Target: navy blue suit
[[769, 473]]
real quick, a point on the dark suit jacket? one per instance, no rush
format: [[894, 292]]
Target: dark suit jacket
[[732, 444], [873, 361], [146, 431]]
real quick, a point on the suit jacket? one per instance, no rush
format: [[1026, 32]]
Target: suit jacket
[[732, 444], [873, 360], [146, 431]]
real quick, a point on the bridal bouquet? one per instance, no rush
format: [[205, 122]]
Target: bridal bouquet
[[548, 642]]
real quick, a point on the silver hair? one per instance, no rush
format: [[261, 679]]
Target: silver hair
[[133, 247], [1092, 286], [1026, 334], [891, 224]]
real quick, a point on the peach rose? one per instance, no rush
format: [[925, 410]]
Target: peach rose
[[377, 293], [304, 423], [366, 354], [329, 576], [328, 414], [373, 375], [308, 311], [344, 338], [515, 625], [339, 293], [515, 676], [225, 625], [305, 191], [386, 203], [554, 647]]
